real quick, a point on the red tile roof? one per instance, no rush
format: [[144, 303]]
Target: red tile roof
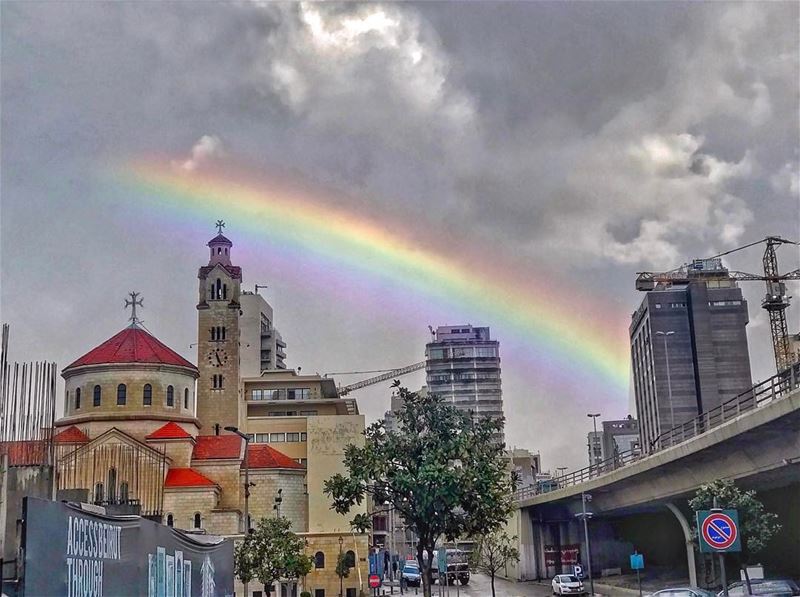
[[213, 447], [25, 452], [264, 456], [132, 345], [170, 431], [71, 435], [186, 477]]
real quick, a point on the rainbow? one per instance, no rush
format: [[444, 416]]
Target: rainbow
[[563, 332]]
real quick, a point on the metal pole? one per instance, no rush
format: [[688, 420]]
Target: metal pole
[[639, 581], [588, 547], [721, 555], [246, 489]]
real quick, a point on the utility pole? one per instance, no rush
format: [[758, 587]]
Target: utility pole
[[721, 556], [592, 458], [585, 497]]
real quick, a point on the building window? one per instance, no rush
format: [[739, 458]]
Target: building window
[[170, 396], [303, 436], [262, 438], [308, 413], [216, 382], [218, 294], [77, 398], [255, 395], [170, 520], [350, 558], [97, 395], [123, 492], [351, 592], [147, 395], [197, 520], [112, 485], [319, 592], [293, 437], [122, 393], [319, 560], [257, 594], [277, 437], [98, 493], [186, 398]]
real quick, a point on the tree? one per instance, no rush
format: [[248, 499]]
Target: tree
[[342, 567], [756, 526], [494, 552], [444, 471], [271, 552]]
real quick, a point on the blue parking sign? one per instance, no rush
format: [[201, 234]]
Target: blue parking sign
[[637, 561]]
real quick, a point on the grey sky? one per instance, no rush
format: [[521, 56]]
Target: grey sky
[[604, 138]]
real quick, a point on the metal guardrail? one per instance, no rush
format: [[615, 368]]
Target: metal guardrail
[[756, 397]]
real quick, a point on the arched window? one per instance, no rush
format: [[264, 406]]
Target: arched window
[[197, 520], [219, 250], [319, 560], [219, 289], [96, 397], [223, 332], [224, 291], [112, 485], [170, 396], [122, 394], [123, 492], [147, 395], [98, 493], [77, 398], [213, 333], [350, 558], [170, 520], [186, 398]]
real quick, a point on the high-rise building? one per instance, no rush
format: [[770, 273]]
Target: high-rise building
[[615, 438], [261, 345], [463, 366], [688, 348]]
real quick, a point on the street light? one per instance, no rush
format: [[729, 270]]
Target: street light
[[339, 563], [585, 497], [246, 439], [592, 458], [669, 380], [560, 469]]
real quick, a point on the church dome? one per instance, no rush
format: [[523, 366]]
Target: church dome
[[131, 345]]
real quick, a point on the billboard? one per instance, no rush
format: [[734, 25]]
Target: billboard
[[79, 553]]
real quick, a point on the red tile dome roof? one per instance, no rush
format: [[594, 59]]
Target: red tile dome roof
[[213, 447], [132, 345], [71, 435], [170, 431], [264, 456]]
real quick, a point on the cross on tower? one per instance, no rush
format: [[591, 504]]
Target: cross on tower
[[132, 302], [220, 225]]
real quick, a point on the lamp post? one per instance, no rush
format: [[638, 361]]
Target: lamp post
[[560, 470], [339, 563], [592, 458], [246, 439], [669, 378], [585, 497]]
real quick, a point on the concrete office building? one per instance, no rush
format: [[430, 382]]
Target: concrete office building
[[616, 437], [261, 345], [688, 348], [463, 366]]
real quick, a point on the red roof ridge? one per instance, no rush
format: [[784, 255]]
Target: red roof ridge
[[217, 447], [187, 477], [71, 435], [265, 456], [170, 431]]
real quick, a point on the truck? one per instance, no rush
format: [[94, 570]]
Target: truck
[[457, 567]]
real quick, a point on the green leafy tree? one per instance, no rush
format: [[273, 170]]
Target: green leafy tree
[[342, 567], [443, 471], [271, 552], [756, 525], [494, 552]]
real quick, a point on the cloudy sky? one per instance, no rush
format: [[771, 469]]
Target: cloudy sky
[[586, 141]]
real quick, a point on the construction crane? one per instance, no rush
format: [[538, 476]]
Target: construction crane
[[385, 374], [775, 301]]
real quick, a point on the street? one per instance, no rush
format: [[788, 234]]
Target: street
[[480, 586]]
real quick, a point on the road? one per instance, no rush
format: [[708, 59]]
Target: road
[[480, 586]]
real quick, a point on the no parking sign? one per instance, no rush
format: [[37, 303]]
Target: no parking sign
[[718, 531]]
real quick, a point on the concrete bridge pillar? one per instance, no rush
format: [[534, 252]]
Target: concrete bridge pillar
[[687, 535]]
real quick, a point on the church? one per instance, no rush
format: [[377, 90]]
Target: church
[[213, 447]]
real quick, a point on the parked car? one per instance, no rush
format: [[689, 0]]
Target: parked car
[[776, 587], [683, 592], [567, 584], [411, 573]]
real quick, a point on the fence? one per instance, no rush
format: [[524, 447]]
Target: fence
[[756, 397]]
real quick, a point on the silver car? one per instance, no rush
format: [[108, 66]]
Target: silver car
[[683, 592]]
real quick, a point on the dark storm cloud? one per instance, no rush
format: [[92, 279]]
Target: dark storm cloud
[[604, 137]]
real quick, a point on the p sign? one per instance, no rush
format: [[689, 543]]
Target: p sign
[[718, 531], [637, 561]]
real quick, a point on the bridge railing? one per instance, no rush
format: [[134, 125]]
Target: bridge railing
[[758, 396]]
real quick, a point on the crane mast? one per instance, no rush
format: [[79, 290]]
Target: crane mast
[[775, 301]]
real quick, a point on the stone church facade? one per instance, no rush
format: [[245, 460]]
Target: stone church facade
[[144, 431]]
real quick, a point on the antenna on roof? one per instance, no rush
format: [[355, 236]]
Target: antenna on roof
[[260, 286]]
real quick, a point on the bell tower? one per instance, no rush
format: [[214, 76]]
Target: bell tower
[[218, 337]]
